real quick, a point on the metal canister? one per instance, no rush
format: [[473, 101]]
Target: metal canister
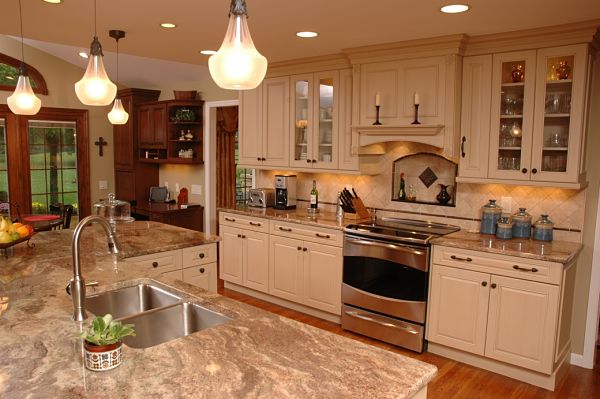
[[490, 213], [543, 228], [521, 224], [504, 229]]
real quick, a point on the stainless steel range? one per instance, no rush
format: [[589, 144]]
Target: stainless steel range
[[385, 279]]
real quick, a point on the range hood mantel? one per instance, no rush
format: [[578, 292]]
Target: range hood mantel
[[426, 134]]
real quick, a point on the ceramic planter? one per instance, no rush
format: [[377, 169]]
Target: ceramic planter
[[102, 358]]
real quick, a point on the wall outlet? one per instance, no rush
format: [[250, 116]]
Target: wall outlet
[[196, 189], [103, 184], [506, 204]]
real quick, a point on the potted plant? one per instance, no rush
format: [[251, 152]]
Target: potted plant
[[102, 342]]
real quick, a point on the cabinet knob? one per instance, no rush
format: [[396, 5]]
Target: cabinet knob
[[305, 249], [462, 147], [154, 264], [534, 171], [243, 236], [493, 285], [484, 283], [308, 161], [299, 248], [201, 255], [239, 236], [258, 158], [202, 270], [314, 161], [524, 170], [263, 159]]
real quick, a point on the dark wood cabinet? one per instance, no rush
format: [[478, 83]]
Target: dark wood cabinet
[[190, 218], [133, 179], [152, 126]]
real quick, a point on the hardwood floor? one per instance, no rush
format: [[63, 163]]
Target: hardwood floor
[[455, 380]]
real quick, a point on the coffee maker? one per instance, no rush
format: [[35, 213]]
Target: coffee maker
[[285, 192]]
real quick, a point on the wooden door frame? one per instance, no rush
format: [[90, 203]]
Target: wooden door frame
[[18, 149]]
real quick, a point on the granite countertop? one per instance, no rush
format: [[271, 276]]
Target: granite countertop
[[257, 354], [551, 251], [298, 215]]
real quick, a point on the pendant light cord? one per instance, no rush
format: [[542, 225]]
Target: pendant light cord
[[117, 60], [95, 19], [21, 22]]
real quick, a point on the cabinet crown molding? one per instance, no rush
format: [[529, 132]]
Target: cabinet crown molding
[[426, 134]]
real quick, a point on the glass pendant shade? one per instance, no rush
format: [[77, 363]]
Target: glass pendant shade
[[237, 65], [118, 115], [24, 101], [95, 88]]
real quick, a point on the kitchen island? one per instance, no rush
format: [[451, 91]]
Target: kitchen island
[[257, 354]]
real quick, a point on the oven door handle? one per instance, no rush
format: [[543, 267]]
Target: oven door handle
[[408, 329], [394, 247]]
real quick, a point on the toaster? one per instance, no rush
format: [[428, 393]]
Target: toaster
[[261, 197]]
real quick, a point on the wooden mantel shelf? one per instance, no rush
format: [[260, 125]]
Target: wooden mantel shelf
[[427, 134]]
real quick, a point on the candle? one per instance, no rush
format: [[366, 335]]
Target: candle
[[377, 99], [416, 98]]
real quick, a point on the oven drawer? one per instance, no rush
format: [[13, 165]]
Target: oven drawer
[[245, 222], [387, 329], [309, 233], [510, 266]]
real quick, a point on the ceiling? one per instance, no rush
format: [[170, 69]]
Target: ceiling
[[201, 24]]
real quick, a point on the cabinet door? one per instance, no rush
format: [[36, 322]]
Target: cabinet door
[[275, 121], [325, 117], [323, 277], [458, 305], [559, 121], [159, 124], [202, 276], [145, 127], [301, 125], [475, 116], [174, 274], [231, 254], [256, 260], [522, 323], [511, 131], [123, 139], [348, 157], [285, 268], [250, 134]]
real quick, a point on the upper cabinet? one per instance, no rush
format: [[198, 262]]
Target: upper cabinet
[[264, 124], [536, 106]]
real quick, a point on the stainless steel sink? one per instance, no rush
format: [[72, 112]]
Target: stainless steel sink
[[130, 300], [161, 325]]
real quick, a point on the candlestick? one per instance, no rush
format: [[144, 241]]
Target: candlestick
[[416, 121], [377, 99], [416, 98], [377, 117]]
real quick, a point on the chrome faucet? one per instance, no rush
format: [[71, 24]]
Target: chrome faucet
[[77, 282]]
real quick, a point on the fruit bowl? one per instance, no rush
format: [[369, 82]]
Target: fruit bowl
[[15, 242]]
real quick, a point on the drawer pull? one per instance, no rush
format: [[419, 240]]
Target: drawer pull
[[484, 283], [243, 236], [255, 224], [494, 285], [305, 249], [201, 255], [453, 257], [229, 219], [202, 270], [322, 235], [239, 236], [299, 248], [524, 269], [154, 264], [284, 229]]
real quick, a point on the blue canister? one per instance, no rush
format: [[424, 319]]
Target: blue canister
[[521, 224], [542, 229], [490, 213], [504, 230]]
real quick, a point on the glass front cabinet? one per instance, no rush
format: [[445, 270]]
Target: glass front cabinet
[[537, 115], [314, 120]]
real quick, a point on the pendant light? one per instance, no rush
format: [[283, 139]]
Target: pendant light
[[23, 101], [237, 65], [95, 88], [118, 115]]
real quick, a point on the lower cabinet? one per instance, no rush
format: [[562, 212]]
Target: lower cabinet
[[513, 310], [195, 265]]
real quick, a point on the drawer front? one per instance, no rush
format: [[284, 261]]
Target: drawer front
[[202, 276], [165, 261], [308, 233], [199, 255], [246, 222], [510, 266]]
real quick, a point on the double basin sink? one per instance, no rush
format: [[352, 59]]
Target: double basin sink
[[159, 315]]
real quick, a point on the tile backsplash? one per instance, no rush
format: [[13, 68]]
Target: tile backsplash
[[565, 207]]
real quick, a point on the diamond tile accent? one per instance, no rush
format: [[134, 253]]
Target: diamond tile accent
[[428, 177]]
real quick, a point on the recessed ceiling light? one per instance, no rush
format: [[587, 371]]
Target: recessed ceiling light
[[168, 25], [53, 1], [454, 8], [307, 34], [208, 52], [83, 54], [10, 77]]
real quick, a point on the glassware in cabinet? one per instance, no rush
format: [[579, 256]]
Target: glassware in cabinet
[[325, 120], [302, 114]]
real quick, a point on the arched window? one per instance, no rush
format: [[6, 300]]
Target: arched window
[[9, 74]]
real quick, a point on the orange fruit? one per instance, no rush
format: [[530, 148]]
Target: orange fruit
[[23, 231], [17, 225]]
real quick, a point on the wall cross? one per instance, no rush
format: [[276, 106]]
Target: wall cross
[[100, 143]]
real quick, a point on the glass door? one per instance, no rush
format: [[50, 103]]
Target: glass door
[[325, 145], [512, 115], [4, 197], [53, 165], [302, 155]]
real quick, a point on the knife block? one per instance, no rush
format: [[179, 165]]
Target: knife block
[[361, 210]]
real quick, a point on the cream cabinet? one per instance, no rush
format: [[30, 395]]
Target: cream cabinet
[[244, 251], [195, 265], [513, 310], [285, 268], [264, 124]]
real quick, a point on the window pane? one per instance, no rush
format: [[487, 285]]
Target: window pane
[[37, 157], [39, 204], [54, 184], [38, 181], [69, 177], [69, 157], [71, 199], [4, 208]]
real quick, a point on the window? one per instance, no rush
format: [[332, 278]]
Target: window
[[244, 178], [4, 205], [9, 75]]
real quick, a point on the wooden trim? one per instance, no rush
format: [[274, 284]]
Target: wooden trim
[[34, 74], [308, 64]]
